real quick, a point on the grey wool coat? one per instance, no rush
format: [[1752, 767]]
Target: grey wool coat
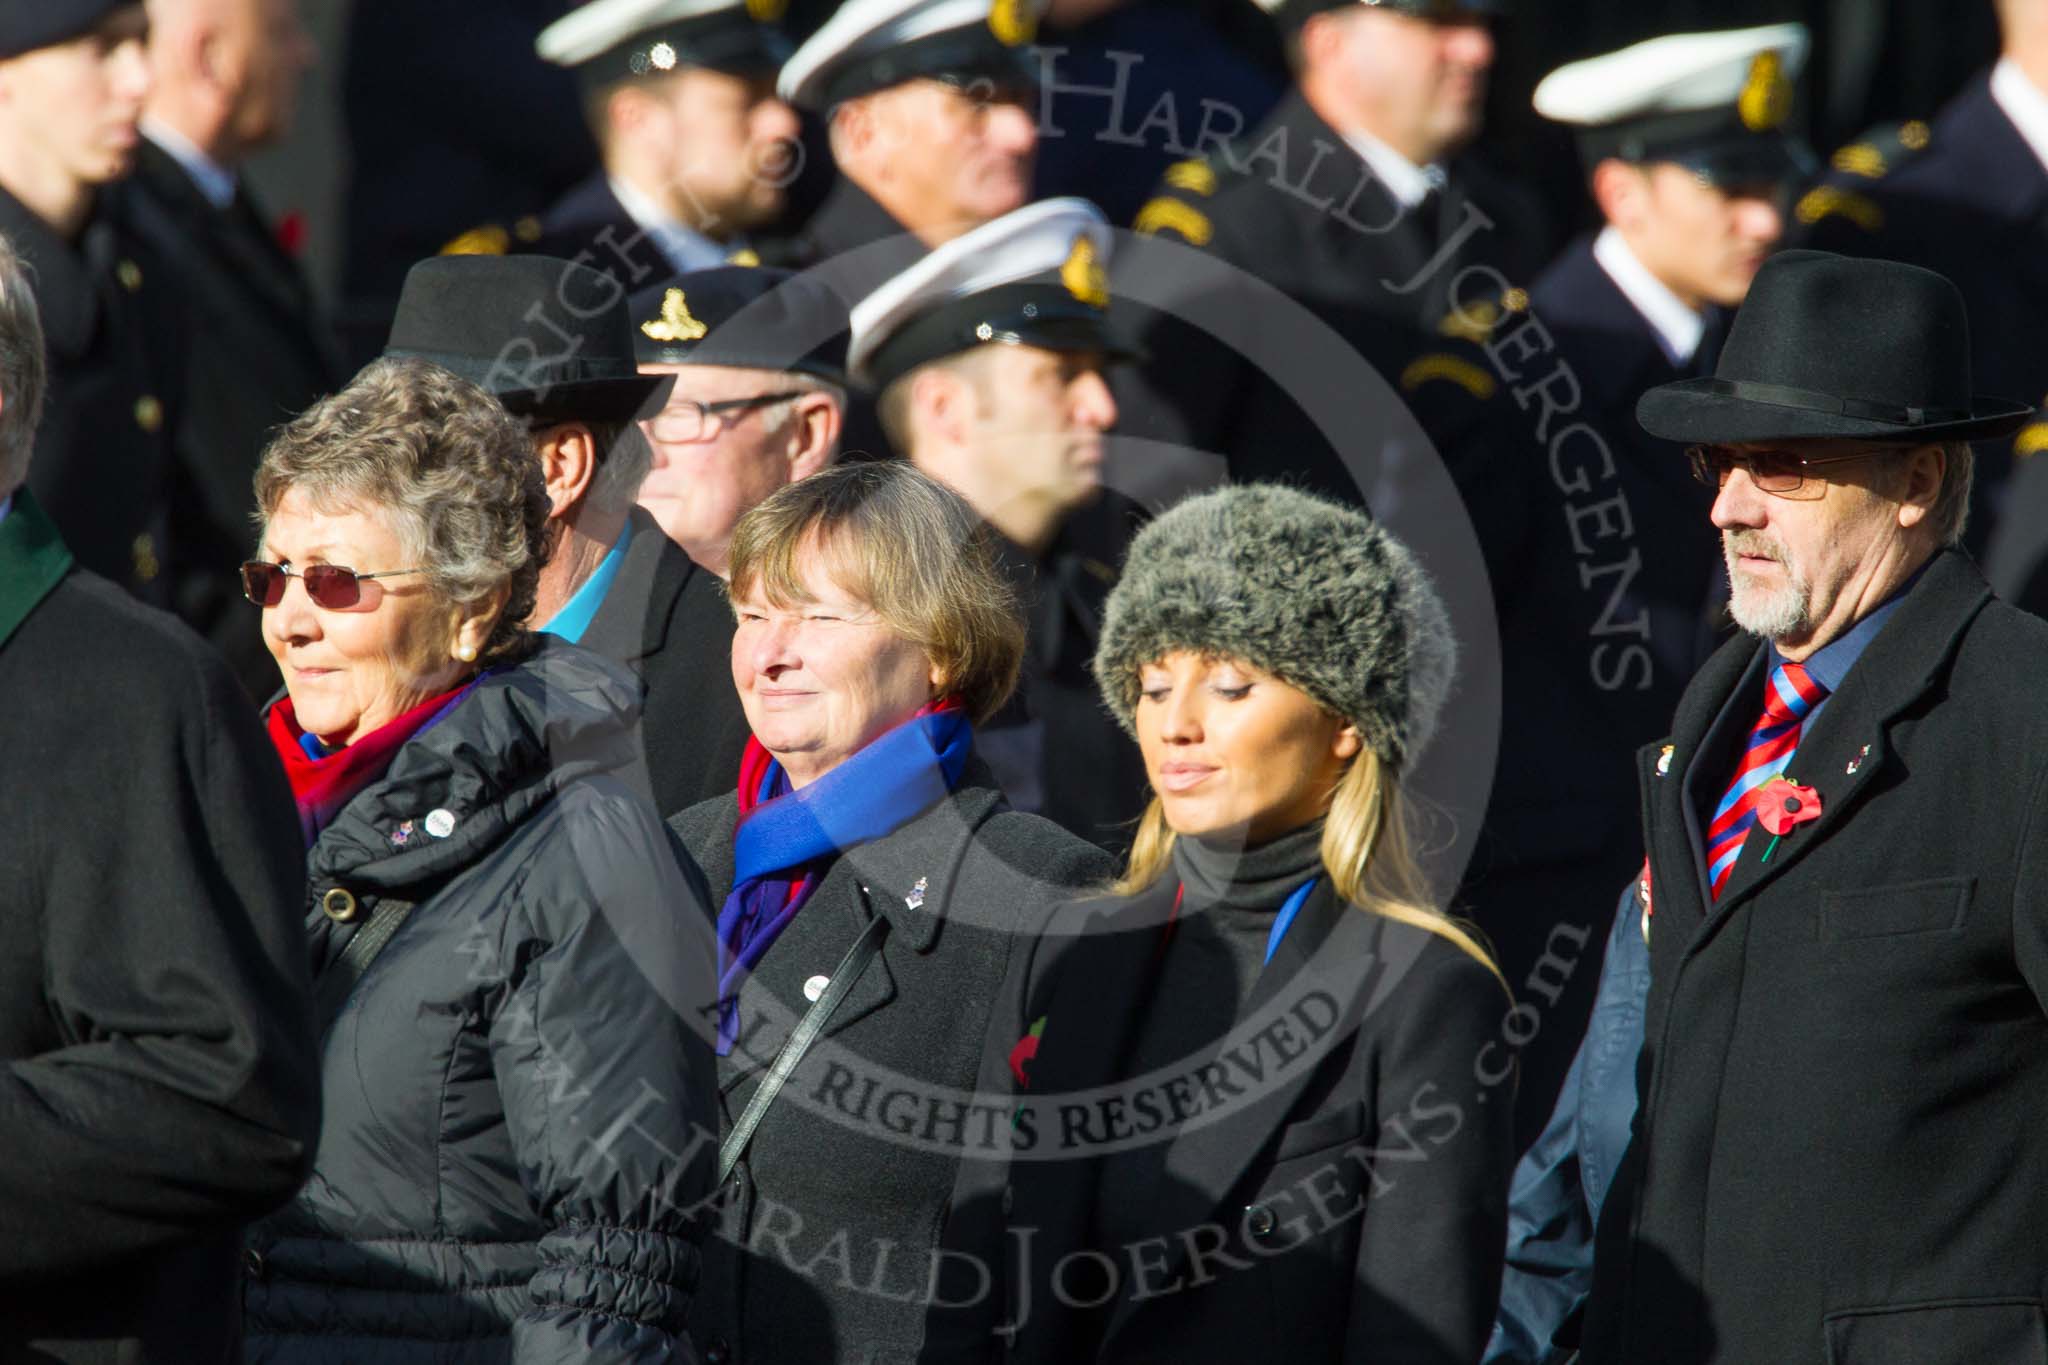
[[1837, 1150], [517, 1129], [830, 1224]]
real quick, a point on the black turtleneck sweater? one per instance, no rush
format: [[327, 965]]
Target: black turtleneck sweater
[[1218, 947]]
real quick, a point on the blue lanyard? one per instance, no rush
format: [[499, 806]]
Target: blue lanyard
[[1288, 910]]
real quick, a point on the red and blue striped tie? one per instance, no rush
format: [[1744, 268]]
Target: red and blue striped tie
[[1788, 701]]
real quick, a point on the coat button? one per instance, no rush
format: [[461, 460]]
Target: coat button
[[143, 552], [1259, 1220], [252, 1262], [149, 413], [339, 906], [130, 276]]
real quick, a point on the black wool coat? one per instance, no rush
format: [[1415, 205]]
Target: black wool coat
[[1844, 1077], [668, 619], [830, 1226], [1336, 1188], [257, 355], [115, 335], [518, 1123], [158, 1086], [1292, 206]]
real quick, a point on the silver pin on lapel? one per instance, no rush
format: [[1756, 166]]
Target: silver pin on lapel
[[815, 987], [1857, 761], [1664, 760], [915, 900]]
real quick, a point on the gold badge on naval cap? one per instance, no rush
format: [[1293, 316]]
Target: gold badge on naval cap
[[1014, 22], [675, 322], [1083, 274], [1766, 96], [767, 11]]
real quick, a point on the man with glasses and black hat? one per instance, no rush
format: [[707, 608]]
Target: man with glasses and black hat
[[697, 149], [1844, 1068], [1596, 540], [1359, 199], [553, 341], [758, 361], [74, 75], [989, 357]]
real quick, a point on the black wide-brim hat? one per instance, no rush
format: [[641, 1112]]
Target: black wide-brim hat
[[1834, 347], [550, 339]]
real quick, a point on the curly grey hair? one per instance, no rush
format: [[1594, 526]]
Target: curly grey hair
[[1311, 591], [443, 459]]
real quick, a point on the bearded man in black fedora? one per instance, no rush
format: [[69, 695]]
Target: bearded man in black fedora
[[1844, 1074], [553, 340]]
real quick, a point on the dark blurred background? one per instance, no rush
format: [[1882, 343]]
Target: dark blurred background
[[428, 117]]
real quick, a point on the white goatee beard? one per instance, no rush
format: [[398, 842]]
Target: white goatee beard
[[1772, 613]]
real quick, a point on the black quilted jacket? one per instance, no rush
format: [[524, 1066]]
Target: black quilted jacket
[[514, 1131]]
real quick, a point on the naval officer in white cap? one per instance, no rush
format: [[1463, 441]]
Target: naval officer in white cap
[[988, 355], [1685, 144], [697, 150], [932, 109]]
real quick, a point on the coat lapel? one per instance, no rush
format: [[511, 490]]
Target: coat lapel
[[33, 560], [1705, 733], [632, 621], [907, 878], [1098, 999]]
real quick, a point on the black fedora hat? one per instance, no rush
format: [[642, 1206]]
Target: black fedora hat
[[1834, 347], [550, 339]]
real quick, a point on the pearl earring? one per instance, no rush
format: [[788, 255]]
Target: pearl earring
[[466, 653]]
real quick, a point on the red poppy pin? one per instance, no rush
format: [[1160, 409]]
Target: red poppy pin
[[291, 234], [1026, 1049], [1782, 806]]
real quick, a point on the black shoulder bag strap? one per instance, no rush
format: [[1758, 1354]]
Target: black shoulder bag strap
[[799, 1042], [347, 968]]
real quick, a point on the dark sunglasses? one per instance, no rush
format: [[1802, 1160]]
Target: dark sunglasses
[[1772, 471], [329, 585]]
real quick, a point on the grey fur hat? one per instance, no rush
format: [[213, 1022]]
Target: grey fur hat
[[1311, 591]]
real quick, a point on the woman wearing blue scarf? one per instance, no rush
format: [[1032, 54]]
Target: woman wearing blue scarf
[[873, 884]]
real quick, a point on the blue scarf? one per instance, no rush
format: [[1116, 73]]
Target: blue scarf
[[782, 832]]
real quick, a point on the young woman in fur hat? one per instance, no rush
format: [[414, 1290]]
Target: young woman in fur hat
[[1264, 1110]]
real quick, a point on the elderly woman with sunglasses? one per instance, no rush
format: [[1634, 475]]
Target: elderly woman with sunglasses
[[515, 1108]]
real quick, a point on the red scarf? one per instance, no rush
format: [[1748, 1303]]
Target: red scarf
[[322, 786]]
